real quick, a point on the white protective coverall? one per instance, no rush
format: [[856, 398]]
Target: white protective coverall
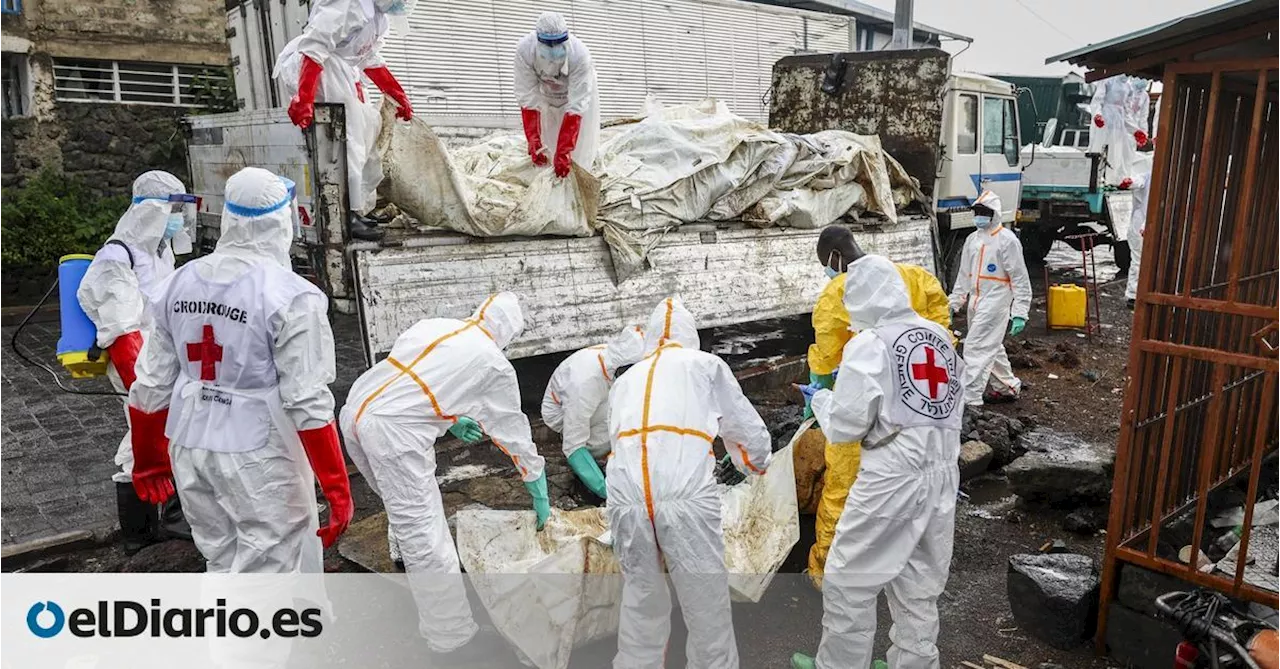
[[114, 291], [576, 402], [898, 393], [1122, 102], [1140, 188], [343, 37], [555, 86], [438, 370], [664, 505], [993, 285], [242, 355]]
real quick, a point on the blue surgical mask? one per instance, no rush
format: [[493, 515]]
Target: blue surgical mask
[[396, 8], [552, 52], [982, 222], [173, 225], [831, 272]]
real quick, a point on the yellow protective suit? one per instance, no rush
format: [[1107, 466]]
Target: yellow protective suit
[[831, 333]]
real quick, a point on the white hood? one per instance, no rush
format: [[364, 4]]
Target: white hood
[[874, 294], [670, 322], [624, 348], [501, 317], [257, 217], [143, 224]]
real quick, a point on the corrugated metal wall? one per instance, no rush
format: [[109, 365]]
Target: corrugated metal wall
[[457, 60]]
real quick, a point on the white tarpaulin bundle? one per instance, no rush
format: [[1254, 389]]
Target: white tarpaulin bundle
[[675, 165], [550, 591]]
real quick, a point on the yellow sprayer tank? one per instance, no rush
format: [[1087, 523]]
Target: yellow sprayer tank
[[1067, 306]]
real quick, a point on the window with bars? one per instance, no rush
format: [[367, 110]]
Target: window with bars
[[16, 97], [11, 6], [82, 80]]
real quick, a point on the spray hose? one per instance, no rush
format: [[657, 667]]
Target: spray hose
[[13, 343]]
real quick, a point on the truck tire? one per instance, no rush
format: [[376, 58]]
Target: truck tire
[[1036, 242], [1120, 250]]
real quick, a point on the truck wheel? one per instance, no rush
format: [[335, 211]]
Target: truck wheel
[[1121, 252], [1036, 242]]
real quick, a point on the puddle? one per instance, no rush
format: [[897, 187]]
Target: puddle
[[988, 490]]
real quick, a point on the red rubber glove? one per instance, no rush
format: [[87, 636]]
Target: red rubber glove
[[568, 139], [1097, 120], [387, 83], [325, 455], [532, 121], [302, 107], [1141, 138], [152, 473], [1125, 183], [124, 356]]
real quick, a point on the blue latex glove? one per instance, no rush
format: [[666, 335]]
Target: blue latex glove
[[541, 502], [1016, 325], [584, 466], [466, 429]]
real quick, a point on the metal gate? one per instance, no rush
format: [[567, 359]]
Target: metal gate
[[1200, 407]]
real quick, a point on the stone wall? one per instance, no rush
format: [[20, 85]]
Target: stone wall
[[104, 145]]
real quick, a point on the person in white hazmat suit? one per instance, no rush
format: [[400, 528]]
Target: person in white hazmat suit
[[1119, 109], [993, 286], [898, 392], [236, 374], [339, 45], [114, 293], [576, 402], [559, 98], [443, 375], [664, 504], [1141, 188]]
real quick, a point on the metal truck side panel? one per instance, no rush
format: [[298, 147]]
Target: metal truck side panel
[[568, 292]]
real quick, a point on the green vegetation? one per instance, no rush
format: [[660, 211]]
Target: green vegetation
[[52, 215]]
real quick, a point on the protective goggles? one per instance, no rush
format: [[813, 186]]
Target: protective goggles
[[553, 39], [180, 200]]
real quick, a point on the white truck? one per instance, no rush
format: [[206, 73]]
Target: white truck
[[957, 133], [726, 273]]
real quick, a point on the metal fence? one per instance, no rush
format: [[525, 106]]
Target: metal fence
[[1200, 409]]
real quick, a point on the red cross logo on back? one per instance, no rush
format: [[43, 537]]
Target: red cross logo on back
[[926, 371], [208, 353]]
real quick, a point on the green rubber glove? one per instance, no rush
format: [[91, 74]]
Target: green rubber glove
[[1016, 325], [584, 466], [466, 429], [541, 502], [802, 661], [827, 381]]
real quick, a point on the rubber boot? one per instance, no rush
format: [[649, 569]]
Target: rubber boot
[[138, 520], [363, 229], [173, 524]]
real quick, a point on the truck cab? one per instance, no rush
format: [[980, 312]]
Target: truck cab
[[978, 147]]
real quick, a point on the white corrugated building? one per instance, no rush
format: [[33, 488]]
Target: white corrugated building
[[456, 63]]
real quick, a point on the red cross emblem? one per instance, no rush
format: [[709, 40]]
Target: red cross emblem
[[926, 371], [208, 353]]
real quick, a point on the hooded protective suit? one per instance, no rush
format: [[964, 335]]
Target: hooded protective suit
[[831, 333], [558, 95], [993, 285], [664, 506], [576, 402], [342, 39], [439, 370], [115, 288], [1140, 188], [898, 393], [1120, 104], [236, 378]]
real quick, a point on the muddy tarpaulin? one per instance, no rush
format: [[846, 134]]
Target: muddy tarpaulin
[[550, 591], [668, 167]]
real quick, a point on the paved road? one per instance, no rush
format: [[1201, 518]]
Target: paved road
[[58, 448]]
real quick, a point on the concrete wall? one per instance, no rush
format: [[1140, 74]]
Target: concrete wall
[[170, 31]]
